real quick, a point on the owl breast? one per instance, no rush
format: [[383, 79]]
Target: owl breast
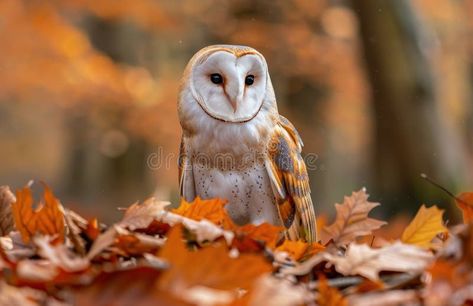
[[247, 189]]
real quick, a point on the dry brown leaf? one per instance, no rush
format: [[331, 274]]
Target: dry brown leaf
[[386, 298], [360, 259], [424, 227], [140, 216], [47, 219], [329, 296], [6, 217], [465, 202], [352, 220], [212, 210], [137, 244], [59, 256], [269, 290], [210, 266]]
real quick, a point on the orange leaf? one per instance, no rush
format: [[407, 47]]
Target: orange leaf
[[251, 237], [210, 266], [47, 219], [329, 296], [465, 202], [212, 210], [299, 249]]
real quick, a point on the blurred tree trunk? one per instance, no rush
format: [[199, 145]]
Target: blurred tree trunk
[[410, 134]]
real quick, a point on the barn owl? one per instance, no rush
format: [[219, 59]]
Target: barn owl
[[236, 146]]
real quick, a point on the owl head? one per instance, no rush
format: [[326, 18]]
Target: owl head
[[229, 83]]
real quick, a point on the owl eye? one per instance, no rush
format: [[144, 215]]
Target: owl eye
[[250, 79], [216, 78]]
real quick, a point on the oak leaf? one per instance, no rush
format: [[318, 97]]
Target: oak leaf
[[465, 202], [360, 259], [6, 217], [211, 266], [47, 219], [212, 210], [352, 220], [424, 227], [140, 216], [329, 296]]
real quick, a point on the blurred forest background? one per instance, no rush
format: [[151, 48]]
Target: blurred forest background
[[380, 90]]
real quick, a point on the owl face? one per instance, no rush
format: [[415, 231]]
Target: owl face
[[229, 84]]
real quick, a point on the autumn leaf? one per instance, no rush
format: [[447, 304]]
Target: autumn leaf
[[210, 266], [465, 202], [140, 216], [352, 220], [47, 219], [360, 259], [6, 217], [212, 210], [299, 249], [136, 286], [329, 296], [251, 238], [424, 227]]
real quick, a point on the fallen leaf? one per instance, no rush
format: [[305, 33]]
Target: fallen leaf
[[269, 290], [212, 210], [59, 256], [299, 249], [136, 286], [352, 220], [360, 259], [465, 202], [140, 216], [329, 296], [386, 298], [252, 238], [210, 266], [424, 227], [136, 244], [47, 219], [6, 217]]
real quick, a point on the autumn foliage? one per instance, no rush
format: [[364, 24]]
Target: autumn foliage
[[196, 255]]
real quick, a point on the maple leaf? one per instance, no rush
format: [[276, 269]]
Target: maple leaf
[[47, 219], [212, 210], [424, 227], [6, 217], [465, 202], [210, 266], [352, 219], [360, 259], [329, 296]]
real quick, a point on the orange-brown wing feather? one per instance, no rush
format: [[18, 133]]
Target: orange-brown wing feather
[[186, 177], [290, 182]]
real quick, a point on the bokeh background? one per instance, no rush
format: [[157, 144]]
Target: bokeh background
[[380, 90]]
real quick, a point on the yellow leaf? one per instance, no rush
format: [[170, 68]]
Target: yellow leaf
[[424, 227]]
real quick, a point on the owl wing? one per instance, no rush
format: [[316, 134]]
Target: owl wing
[[290, 182], [186, 176]]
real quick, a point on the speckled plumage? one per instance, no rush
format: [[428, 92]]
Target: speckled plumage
[[249, 155]]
